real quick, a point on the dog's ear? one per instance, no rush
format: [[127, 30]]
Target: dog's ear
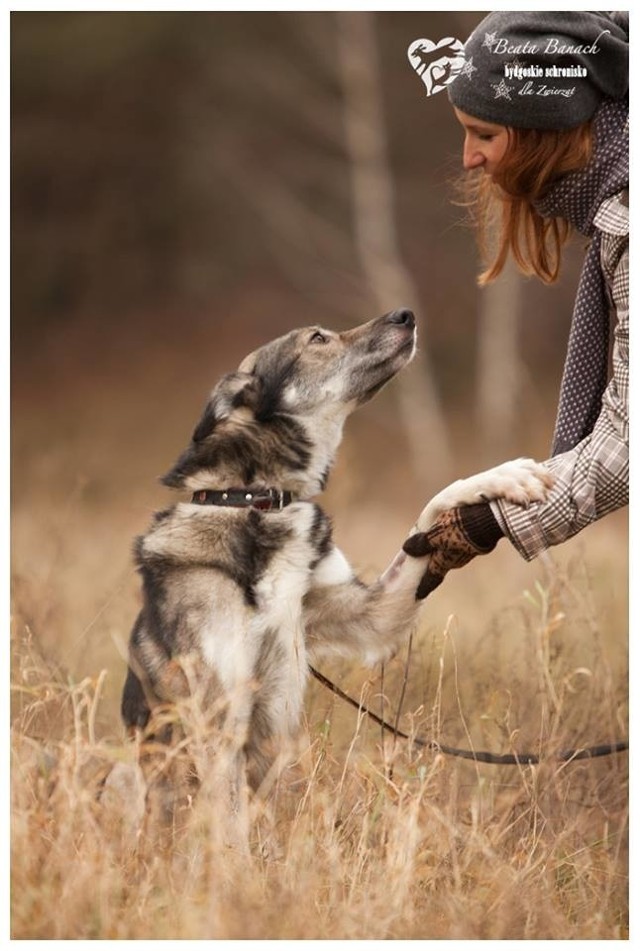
[[233, 391], [206, 424], [248, 365]]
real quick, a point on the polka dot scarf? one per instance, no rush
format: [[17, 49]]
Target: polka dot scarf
[[576, 198]]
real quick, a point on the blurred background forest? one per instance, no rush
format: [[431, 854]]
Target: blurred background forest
[[183, 177], [186, 186]]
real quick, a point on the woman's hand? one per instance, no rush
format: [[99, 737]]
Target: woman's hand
[[454, 539]]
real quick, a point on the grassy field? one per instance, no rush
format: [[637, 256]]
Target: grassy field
[[375, 839]]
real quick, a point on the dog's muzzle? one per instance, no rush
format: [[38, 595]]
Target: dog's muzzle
[[267, 500]]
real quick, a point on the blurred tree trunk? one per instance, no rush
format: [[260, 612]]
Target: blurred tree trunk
[[500, 376], [377, 242]]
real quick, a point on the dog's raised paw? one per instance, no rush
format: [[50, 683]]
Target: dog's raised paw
[[521, 481]]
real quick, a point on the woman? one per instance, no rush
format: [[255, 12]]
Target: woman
[[543, 102]]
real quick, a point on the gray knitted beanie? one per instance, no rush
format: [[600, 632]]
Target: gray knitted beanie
[[542, 70]]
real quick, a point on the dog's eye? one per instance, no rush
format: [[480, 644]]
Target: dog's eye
[[318, 337]]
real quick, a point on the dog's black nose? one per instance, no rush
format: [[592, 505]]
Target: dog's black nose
[[403, 316]]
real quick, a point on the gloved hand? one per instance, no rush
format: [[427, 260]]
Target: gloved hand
[[453, 540]]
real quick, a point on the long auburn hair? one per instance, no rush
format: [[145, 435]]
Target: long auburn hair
[[502, 209]]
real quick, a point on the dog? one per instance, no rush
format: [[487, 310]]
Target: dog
[[429, 58], [242, 583]]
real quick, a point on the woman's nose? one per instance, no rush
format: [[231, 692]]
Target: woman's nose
[[471, 156]]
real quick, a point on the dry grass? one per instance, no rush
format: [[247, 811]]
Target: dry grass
[[376, 840]]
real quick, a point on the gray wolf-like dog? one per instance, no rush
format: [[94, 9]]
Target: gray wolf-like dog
[[243, 586]]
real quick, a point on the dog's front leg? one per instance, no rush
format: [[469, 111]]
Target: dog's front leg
[[520, 481], [344, 616]]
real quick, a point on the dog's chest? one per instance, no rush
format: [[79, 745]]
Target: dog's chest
[[280, 590], [255, 630]]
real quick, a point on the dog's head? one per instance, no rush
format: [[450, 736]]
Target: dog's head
[[278, 420]]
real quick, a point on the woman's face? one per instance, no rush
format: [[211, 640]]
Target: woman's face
[[484, 143]]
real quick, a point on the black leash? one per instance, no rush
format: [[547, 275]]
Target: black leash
[[480, 756]]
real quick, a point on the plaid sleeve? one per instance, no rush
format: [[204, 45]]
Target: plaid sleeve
[[592, 479]]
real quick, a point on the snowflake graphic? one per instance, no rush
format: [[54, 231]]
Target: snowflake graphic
[[501, 90], [468, 69], [489, 40]]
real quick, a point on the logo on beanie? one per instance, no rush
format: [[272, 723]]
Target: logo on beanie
[[548, 58], [437, 64]]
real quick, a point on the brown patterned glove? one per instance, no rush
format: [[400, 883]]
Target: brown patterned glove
[[453, 540]]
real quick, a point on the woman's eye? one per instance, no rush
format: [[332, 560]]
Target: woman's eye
[[318, 337]]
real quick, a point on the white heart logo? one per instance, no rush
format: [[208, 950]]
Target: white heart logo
[[437, 64]]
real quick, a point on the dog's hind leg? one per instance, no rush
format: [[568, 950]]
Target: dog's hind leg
[[134, 706]]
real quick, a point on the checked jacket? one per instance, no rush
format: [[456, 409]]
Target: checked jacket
[[592, 479]]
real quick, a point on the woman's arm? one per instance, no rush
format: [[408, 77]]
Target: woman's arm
[[592, 479]]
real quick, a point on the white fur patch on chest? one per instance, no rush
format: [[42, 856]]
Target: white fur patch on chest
[[334, 569], [223, 643], [231, 639], [280, 593]]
